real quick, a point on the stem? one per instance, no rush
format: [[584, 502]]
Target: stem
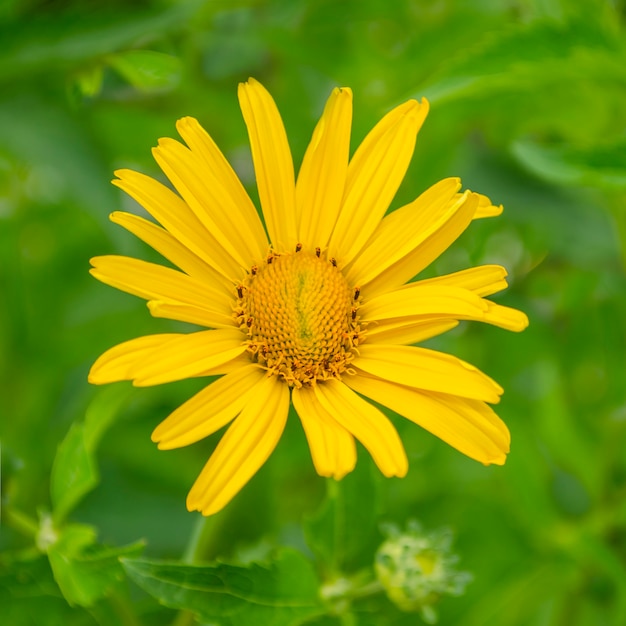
[[347, 619], [123, 610], [184, 618], [196, 546], [616, 203], [114, 609], [21, 522], [333, 494], [371, 589], [198, 540]]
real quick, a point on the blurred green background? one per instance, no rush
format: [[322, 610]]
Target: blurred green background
[[528, 106]]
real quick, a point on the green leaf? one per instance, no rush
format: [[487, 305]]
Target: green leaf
[[25, 578], [343, 533], [540, 79], [85, 571], [74, 471], [29, 594], [283, 592], [43, 611], [597, 167], [89, 81], [147, 70], [521, 55], [47, 40]]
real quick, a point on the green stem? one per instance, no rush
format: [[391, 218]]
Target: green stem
[[123, 609], [114, 609], [616, 203], [333, 493], [184, 618], [199, 539], [371, 589], [21, 522]]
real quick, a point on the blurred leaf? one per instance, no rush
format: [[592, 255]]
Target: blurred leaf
[[509, 603], [64, 165], [84, 571], [89, 81], [541, 78], [516, 57], [599, 555], [343, 533], [617, 204], [146, 69], [568, 446], [566, 166], [74, 472], [25, 578], [236, 45], [29, 594], [55, 38], [569, 494], [282, 593], [44, 611], [330, 620]]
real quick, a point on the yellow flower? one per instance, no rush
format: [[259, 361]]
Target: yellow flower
[[314, 309]]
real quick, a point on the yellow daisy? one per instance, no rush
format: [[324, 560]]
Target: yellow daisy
[[313, 308]]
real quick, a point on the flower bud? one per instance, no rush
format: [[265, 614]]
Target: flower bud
[[417, 568]]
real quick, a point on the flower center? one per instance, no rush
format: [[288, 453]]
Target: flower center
[[300, 317]]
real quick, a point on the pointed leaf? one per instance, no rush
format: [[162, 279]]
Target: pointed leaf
[[146, 69], [283, 592], [85, 571], [74, 471], [596, 167]]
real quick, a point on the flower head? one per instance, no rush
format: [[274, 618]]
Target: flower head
[[311, 305]]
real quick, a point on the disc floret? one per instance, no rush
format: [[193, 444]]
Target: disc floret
[[300, 317]]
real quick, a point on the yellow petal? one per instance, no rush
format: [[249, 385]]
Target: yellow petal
[[467, 425], [238, 206], [209, 200], [209, 410], [273, 164], [483, 280], [403, 230], [187, 356], [333, 449], [418, 302], [445, 225], [399, 332], [191, 314], [322, 176], [427, 369], [155, 282], [178, 219], [171, 249], [486, 209], [118, 363], [366, 423], [505, 317], [226, 368], [247, 444], [374, 175], [429, 301]]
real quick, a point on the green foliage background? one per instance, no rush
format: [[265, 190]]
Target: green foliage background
[[528, 105]]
